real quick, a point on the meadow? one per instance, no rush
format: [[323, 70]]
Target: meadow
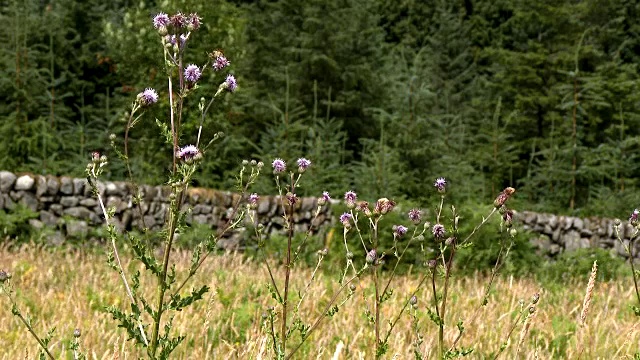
[[68, 289]]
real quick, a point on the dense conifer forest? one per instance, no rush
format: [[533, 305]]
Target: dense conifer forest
[[383, 96]]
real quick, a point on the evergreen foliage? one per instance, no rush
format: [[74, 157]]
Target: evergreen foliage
[[383, 96]]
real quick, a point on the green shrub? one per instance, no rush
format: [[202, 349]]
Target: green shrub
[[14, 225]]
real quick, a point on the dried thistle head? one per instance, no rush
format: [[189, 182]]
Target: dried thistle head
[[503, 197]]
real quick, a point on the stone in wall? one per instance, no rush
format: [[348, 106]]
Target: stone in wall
[[557, 234]]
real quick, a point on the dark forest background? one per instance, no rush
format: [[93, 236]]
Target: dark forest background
[[382, 95]]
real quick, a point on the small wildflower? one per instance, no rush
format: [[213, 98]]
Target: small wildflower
[[192, 73], [303, 165], [292, 198], [279, 166], [323, 252], [450, 240], [633, 219], [438, 231], [352, 287], [371, 257], [383, 206], [432, 263], [349, 255], [183, 40], [95, 157], [324, 199], [171, 39], [148, 97], [413, 300], [513, 232], [253, 200], [179, 20], [440, 184], [415, 215], [3, 276], [350, 199], [161, 20], [220, 62], [399, 230], [76, 333], [230, 83], [189, 154], [503, 197], [507, 217], [193, 22], [345, 219], [363, 207]]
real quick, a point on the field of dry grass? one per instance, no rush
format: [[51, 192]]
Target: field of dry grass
[[68, 290]]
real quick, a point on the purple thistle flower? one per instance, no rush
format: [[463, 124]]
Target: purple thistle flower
[[189, 153], [179, 20], [148, 97], [303, 164], [633, 219], [253, 200], [415, 215], [161, 20], [192, 73], [438, 231], [183, 40], [440, 184], [193, 23], [279, 165], [292, 198], [350, 198], [170, 39], [220, 62], [325, 198], [230, 83], [345, 219], [400, 230], [371, 257]]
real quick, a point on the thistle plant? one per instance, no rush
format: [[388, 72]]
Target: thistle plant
[[628, 243], [284, 320], [143, 321], [362, 232]]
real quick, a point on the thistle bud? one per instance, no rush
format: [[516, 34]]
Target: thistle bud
[[535, 298]]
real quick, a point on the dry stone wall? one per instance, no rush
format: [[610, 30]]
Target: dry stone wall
[[555, 234], [68, 205]]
